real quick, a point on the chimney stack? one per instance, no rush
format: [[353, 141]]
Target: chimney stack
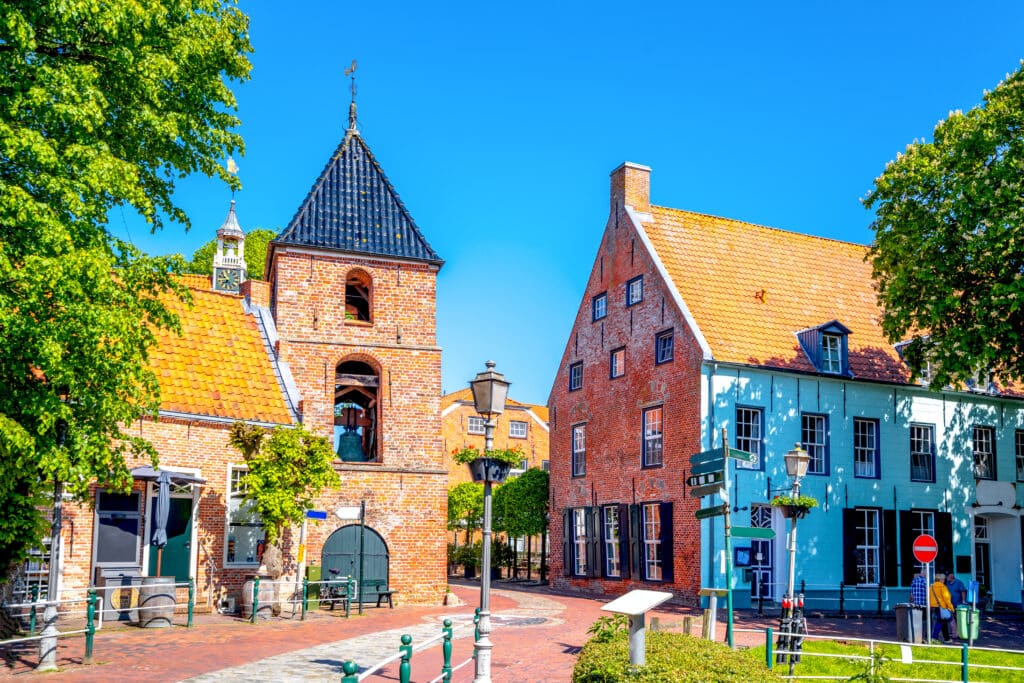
[[631, 186]]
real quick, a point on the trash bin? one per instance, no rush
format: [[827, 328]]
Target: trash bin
[[963, 615], [313, 573], [909, 623]]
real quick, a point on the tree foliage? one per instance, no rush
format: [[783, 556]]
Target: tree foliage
[[255, 254], [523, 502], [102, 106], [465, 507], [948, 255], [288, 469]]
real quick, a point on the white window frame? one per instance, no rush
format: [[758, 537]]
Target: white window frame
[[651, 521], [865, 448], [749, 435], [815, 441], [653, 425], [635, 290], [868, 547], [576, 376], [517, 429], [617, 363], [831, 353], [579, 541], [237, 492], [664, 347], [599, 307], [1019, 448], [922, 450], [983, 441], [612, 551], [579, 450], [475, 425], [924, 523]]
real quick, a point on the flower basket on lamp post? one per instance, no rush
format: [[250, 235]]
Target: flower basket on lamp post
[[492, 465], [794, 508]]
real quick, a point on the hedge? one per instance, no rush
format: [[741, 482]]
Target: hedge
[[671, 658]]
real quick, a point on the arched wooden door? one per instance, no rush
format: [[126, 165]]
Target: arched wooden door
[[341, 552]]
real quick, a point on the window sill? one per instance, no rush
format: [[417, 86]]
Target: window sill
[[578, 476], [359, 323], [664, 362], [654, 466], [241, 565]]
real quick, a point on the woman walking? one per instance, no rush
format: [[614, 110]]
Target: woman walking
[[942, 608]]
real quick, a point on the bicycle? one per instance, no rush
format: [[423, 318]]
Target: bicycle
[[336, 589]]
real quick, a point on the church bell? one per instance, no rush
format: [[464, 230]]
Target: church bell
[[350, 443]]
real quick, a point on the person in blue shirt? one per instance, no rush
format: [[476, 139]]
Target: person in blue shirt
[[919, 591], [957, 590]]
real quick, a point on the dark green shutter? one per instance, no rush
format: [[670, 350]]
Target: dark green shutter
[[906, 551], [624, 540], [850, 547], [890, 546], [566, 542], [635, 542], [944, 537], [594, 542], [667, 539]]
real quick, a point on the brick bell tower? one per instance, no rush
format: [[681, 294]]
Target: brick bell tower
[[353, 297]]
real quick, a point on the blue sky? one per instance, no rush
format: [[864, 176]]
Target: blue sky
[[499, 124]]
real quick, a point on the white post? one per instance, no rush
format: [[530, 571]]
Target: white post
[[48, 641], [637, 644], [928, 570]]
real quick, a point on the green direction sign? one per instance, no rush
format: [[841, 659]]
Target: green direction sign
[[707, 456], [742, 455], [714, 477], [752, 532], [713, 511], [707, 490], [708, 467]]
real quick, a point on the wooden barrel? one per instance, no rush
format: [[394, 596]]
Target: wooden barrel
[[156, 601], [266, 598]]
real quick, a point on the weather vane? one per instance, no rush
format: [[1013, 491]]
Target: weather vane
[[351, 73]]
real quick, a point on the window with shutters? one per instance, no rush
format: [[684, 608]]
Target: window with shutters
[[612, 542], [579, 541], [652, 541], [922, 453], [921, 522], [984, 442], [868, 542]]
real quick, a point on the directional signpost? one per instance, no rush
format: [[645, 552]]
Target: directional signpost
[[926, 549], [709, 476]]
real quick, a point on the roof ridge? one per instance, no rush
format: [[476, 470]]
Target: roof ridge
[[759, 225]]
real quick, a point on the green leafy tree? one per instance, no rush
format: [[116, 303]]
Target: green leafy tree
[[288, 469], [525, 503], [104, 105], [255, 254], [465, 507], [948, 255]]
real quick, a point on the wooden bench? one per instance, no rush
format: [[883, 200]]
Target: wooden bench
[[382, 591]]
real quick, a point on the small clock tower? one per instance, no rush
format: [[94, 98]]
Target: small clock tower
[[229, 259]]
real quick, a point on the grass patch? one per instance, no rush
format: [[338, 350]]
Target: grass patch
[[843, 667]]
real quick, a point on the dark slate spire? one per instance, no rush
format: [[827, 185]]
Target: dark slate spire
[[353, 207]]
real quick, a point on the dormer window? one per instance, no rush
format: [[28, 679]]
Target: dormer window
[[826, 348]]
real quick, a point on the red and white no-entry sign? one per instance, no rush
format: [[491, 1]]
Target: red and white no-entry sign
[[925, 548]]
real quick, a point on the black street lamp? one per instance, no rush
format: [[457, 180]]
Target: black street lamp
[[489, 393]]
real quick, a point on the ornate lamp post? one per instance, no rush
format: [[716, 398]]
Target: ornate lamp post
[[797, 461], [489, 393]]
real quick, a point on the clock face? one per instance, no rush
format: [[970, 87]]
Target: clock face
[[226, 279]]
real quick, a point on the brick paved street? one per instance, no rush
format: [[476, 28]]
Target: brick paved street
[[537, 635]]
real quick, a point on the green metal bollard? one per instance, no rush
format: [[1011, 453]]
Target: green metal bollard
[[405, 668], [191, 600], [255, 598], [768, 659], [90, 624], [476, 629], [446, 648], [305, 598], [32, 614], [350, 592], [350, 669], [963, 660]]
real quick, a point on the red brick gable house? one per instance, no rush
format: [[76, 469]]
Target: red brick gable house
[[341, 337]]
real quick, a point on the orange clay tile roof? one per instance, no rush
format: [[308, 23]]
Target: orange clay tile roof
[[219, 365], [467, 395], [751, 288]]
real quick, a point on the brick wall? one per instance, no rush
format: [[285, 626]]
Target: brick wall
[[611, 408]]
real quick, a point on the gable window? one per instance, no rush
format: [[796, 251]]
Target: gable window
[[748, 436], [867, 547], [814, 430], [579, 450], [576, 376], [245, 527], [653, 437], [1019, 448], [475, 425], [517, 429], [612, 542], [865, 448], [617, 363], [831, 354], [664, 343], [922, 453], [984, 452], [599, 306], [635, 291], [579, 541]]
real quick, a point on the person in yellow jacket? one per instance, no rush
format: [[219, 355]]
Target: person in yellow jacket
[[940, 602]]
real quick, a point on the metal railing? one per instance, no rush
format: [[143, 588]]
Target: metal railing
[[406, 651], [830, 597], [964, 665], [342, 590]]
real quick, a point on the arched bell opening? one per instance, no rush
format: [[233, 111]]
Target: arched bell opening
[[356, 388], [358, 290]]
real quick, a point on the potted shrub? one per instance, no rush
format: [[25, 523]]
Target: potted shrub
[[794, 507], [469, 557], [492, 465]]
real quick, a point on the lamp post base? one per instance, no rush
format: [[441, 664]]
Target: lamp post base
[[482, 652]]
